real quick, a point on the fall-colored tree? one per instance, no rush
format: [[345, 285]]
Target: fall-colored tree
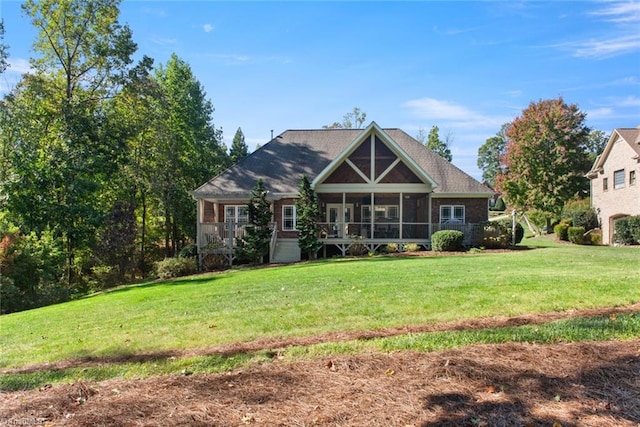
[[546, 160]]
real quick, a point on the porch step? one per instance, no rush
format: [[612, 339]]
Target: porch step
[[287, 250]]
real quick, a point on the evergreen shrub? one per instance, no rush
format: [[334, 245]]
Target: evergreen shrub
[[561, 230], [447, 241], [176, 267], [627, 230], [576, 235]]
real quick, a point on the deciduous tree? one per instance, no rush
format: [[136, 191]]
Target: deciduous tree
[[353, 120], [434, 143], [546, 158], [490, 155]]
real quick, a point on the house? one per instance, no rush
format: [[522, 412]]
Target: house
[[375, 186], [615, 191]]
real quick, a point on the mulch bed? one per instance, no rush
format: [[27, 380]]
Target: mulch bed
[[577, 384]]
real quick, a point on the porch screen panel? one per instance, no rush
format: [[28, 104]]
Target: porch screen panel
[[415, 216], [386, 215]]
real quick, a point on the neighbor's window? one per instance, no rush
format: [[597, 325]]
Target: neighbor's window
[[288, 218], [605, 184], [618, 179], [451, 214], [632, 178]]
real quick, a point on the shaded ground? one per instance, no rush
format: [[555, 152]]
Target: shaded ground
[[583, 384]]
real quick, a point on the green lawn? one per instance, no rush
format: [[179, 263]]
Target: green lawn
[[324, 296]]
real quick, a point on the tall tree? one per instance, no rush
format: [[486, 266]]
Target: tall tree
[[434, 143], [82, 53], [490, 154], [3, 49], [352, 120], [596, 142], [191, 152], [254, 245], [307, 215], [546, 159], [239, 149]]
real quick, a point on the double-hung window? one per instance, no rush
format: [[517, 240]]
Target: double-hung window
[[452, 214], [288, 218], [238, 214], [618, 179]]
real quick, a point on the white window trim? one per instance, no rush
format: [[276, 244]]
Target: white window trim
[[236, 217], [293, 217], [463, 220], [616, 184]]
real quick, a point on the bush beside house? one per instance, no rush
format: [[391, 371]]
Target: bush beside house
[[447, 241], [627, 231]]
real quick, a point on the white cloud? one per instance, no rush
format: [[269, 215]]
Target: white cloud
[[208, 28], [18, 65], [600, 113], [604, 48], [452, 115], [620, 12]]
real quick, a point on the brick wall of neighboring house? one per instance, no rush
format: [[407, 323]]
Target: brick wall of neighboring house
[[613, 203], [476, 209]]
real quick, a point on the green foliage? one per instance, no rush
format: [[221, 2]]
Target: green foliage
[[176, 267], [189, 251], [546, 158], [307, 215], [541, 219], [353, 120], [490, 154], [500, 206], [576, 235], [31, 269], [410, 247], [4, 54], [561, 230], [447, 241], [391, 248], [579, 213], [499, 234], [254, 245], [627, 230], [435, 144], [239, 149]]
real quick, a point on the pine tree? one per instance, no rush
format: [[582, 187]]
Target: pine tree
[[254, 245], [239, 149], [307, 214]]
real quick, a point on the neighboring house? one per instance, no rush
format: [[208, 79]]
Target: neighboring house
[[615, 190], [375, 186]]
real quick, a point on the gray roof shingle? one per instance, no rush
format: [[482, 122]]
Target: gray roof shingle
[[281, 163]]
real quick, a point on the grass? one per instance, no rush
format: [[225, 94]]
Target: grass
[[202, 311]]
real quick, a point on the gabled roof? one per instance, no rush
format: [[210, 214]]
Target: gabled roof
[[629, 135], [283, 161]]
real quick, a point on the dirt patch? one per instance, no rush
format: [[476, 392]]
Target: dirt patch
[[582, 384]]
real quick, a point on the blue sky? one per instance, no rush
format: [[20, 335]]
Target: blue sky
[[466, 67]]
